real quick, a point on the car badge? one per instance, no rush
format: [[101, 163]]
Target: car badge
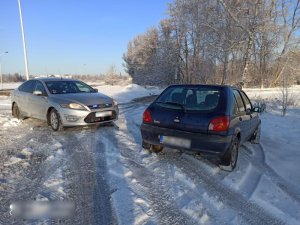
[[176, 120], [95, 106]]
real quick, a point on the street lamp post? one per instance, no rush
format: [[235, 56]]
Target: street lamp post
[[1, 70], [24, 41]]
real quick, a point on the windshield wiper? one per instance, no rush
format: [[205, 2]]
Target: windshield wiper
[[173, 103]]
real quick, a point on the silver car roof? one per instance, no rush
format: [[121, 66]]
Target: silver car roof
[[53, 79]]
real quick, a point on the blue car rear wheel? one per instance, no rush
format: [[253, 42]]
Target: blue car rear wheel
[[229, 160]]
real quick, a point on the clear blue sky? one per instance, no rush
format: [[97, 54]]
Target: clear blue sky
[[73, 36]]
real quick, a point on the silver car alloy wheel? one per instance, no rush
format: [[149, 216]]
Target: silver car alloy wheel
[[54, 120]]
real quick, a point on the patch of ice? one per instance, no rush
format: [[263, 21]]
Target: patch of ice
[[204, 218], [60, 152], [51, 157], [134, 180], [27, 151], [41, 198], [213, 200], [13, 160], [128, 174], [141, 219], [9, 122], [56, 181]]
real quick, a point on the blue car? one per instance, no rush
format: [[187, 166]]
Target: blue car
[[208, 119]]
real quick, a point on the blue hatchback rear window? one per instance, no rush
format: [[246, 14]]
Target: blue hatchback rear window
[[190, 98]]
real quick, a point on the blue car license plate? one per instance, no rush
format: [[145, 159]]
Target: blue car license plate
[[175, 141]]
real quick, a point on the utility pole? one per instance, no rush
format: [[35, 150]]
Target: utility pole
[[24, 42]]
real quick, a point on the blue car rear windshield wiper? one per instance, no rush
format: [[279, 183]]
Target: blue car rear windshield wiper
[[172, 103]]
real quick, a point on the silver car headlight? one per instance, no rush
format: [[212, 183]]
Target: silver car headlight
[[73, 106]]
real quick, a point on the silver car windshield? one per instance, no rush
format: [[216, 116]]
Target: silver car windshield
[[68, 87]]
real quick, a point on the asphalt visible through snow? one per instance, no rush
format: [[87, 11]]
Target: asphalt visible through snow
[[111, 179]]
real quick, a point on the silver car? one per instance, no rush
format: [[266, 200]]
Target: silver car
[[62, 103]]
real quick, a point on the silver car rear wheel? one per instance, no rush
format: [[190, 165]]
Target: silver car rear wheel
[[16, 111]]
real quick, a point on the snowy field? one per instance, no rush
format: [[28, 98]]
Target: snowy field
[[111, 179], [11, 85]]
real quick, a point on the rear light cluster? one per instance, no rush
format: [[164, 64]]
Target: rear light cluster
[[219, 124], [147, 118]]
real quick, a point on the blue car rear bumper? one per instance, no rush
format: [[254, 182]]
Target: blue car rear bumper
[[209, 144]]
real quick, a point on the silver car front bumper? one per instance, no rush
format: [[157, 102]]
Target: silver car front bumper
[[72, 117]]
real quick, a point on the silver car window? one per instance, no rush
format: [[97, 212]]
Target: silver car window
[[28, 86], [40, 87], [68, 87]]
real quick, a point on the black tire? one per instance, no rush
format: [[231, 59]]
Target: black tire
[[146, 145], [229, 160], [255, 139], [54, 120], [157, 148], [16, 112]]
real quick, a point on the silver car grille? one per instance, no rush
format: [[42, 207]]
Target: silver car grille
[[100, 106]]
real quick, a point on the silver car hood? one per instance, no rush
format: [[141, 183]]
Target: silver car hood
[[83, 98]]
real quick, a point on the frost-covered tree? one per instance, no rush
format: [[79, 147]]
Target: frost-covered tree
[[217, 41]]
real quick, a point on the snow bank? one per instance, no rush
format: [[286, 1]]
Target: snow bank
[[280, 135], [273, 94], [129, 92], [4, 102], [7, 121], [281, 143], [11, 85]]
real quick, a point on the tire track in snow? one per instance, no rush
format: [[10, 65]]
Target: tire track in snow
[[264, 168], [149, 185], [88, 188], [32, 181], [251, 212], [203, 209], [159, 196]]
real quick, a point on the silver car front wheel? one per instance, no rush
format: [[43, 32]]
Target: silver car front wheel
[[54, 120]]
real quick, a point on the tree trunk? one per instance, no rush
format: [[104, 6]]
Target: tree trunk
[[225, 69], [247, 59]]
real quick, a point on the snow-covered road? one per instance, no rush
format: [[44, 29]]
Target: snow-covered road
[[111, 179]]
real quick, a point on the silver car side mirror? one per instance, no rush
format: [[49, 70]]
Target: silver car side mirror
[[38, 93]]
